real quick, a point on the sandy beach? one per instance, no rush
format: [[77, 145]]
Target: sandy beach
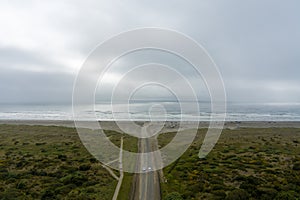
[[169, 126]]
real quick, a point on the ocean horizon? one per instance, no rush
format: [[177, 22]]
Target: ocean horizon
[[139, 111]]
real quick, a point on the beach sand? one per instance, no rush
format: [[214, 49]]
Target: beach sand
[[169, 126]]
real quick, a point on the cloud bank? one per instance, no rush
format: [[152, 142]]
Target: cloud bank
[[256, 44]]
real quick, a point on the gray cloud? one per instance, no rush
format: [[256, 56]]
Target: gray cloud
[[256, 44], [35, 87], [23, 60]]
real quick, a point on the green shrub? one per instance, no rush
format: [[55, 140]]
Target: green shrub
[[77, 179], [90, 183], [218, 187], [197, 187], [289, 195], [48, 194], [62, 157], [11, 193], [267, 192], [296, 166], [219, 193], [84, 167], [40, 143], [65, 189], [238, 194], [21, 185], [173, 196], [188, 194]]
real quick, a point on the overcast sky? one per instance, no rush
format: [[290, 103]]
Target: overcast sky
[[255, 43]]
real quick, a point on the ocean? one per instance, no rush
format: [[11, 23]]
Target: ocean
[[139, 111]]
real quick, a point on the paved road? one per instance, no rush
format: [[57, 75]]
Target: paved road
[[120, 180], [147, 185]]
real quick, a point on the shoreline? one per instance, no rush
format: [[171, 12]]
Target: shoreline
[[168, 125]]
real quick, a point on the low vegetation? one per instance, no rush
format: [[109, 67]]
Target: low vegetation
[[247, 163], [39, 162]]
